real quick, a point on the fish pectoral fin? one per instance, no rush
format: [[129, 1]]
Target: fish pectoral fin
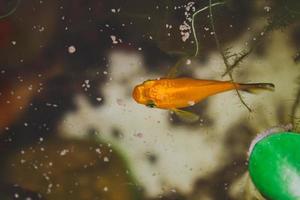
[[186, 116]]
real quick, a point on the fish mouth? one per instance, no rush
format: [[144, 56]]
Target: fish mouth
[[137, 94]]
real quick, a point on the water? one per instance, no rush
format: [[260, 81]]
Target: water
[[70, 128]]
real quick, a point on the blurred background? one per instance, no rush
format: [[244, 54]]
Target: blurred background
[[69, 128]]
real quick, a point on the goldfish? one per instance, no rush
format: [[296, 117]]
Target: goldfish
[[177, 93]]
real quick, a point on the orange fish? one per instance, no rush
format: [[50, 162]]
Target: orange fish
[[175, 93]]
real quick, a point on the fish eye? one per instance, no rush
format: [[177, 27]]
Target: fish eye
[[150, 104]]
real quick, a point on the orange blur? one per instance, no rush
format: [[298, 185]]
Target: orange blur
[[15, 96], [15, 100]]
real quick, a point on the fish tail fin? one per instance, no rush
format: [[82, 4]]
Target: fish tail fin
[[256, 87]]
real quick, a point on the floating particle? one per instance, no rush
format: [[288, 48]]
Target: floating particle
[[168, 26], [71, 49], [120, 102], [41, 29], [139, 135], [98, 150], [191, 103], [116, 10], [64, 152], [105, 159], [206, 28], [114, 39], [185, 31], [86, 85], [267, 8], [99, 99]]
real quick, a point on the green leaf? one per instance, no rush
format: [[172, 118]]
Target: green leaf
[[274, 166]]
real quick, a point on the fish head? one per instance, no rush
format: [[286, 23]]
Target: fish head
[[141, 94]]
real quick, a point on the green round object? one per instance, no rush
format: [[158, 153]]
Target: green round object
[[274, 166]]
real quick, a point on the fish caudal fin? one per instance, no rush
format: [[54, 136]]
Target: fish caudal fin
[[256, 87]]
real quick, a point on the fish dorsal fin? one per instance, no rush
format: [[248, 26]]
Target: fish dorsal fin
[[186, 116], [175, 70]]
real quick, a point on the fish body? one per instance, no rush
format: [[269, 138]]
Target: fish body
[[173, 93]]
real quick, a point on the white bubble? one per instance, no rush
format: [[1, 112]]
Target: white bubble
[[105, 159], [99, 99], [191, 103], [64, 152], [71, 49]]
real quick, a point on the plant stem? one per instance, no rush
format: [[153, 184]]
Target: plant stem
[[11, 11], [193, 24], [224, 57]]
